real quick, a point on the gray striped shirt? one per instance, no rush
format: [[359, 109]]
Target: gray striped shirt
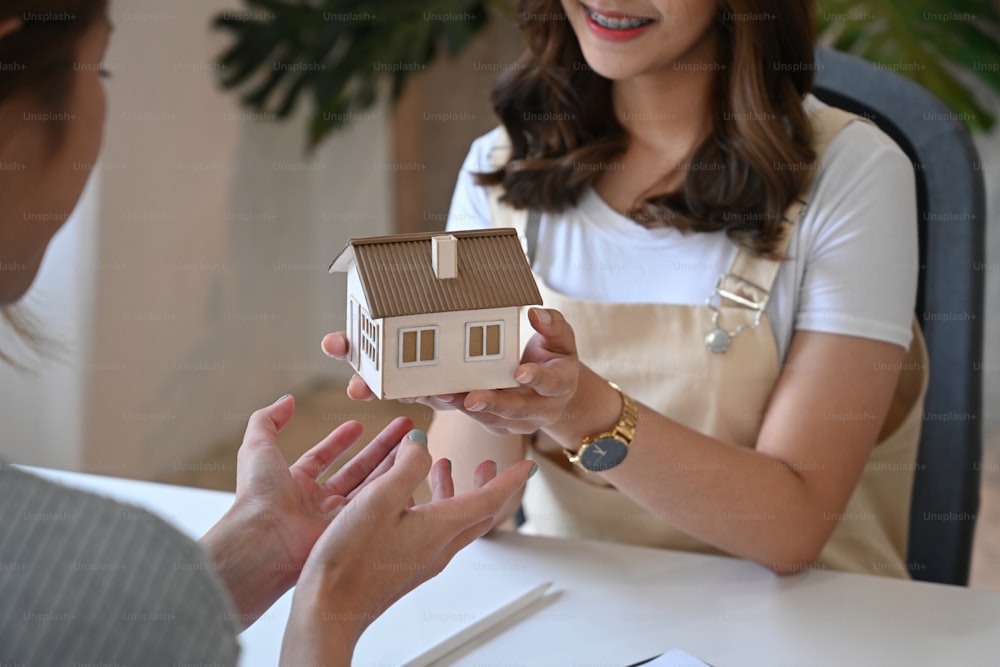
[[86, 581]]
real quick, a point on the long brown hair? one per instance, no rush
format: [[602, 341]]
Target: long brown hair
[[758, 158]]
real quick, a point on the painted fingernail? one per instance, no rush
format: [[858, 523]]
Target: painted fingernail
[[494, 464], [544, 316], [478, 406], [534, 469], [418, 436], [449, 465], [524, 376], [447, 398], [281, 398]]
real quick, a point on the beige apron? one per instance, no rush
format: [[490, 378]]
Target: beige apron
[[657, 353]]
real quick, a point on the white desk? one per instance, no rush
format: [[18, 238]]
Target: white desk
[[620, 604]]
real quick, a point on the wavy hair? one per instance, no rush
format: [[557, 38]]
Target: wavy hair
[[740, 179]]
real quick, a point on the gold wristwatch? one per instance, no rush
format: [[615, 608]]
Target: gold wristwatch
[[601, 452]]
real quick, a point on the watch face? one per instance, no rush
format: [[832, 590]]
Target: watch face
[[603, 454]]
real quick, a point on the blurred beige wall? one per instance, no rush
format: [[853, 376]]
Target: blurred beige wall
[[440, 114]]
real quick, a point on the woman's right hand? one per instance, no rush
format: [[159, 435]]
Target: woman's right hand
[[382, 546]]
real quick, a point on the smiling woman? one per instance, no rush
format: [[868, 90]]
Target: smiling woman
[[744, 67], [729, 271]]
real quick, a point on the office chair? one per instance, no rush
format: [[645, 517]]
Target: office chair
[[951, 203]]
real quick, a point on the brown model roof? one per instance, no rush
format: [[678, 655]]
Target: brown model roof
[[398, 277]]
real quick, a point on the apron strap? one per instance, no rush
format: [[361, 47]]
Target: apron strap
[[750, 279]]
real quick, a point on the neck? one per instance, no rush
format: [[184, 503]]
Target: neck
[[670, 110]]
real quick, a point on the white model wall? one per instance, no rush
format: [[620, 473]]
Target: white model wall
[[451, 373]]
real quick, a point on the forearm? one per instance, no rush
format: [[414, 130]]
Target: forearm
[[315, 635], [738, 499], [251, 570]]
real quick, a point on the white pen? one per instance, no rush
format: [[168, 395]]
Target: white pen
[[478, 627]]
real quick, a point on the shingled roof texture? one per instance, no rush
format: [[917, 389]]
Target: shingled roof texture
[[398, 275]]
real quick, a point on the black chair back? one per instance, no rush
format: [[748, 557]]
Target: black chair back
[[952, 208]]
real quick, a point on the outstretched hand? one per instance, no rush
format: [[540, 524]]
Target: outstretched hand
[[382, 547], [261, 544]]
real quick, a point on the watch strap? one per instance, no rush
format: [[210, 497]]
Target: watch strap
[[623, 430]]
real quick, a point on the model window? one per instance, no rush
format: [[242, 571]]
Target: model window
[[418, 347], [483, 340], [369, 339]]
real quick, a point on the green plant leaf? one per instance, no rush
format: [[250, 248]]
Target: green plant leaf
[[337, 53], [925, 40]]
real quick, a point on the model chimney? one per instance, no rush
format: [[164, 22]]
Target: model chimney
[[444, 255]]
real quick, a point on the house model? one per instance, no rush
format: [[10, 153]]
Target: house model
[[436, 313]]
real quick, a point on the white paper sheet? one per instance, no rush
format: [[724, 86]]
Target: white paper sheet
[[410, 630]]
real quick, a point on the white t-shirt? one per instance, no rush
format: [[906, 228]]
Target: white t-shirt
[[853, 266]]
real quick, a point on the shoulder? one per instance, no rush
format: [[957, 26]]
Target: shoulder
[[857, 243], [42, 501], [109, 570], [863, 179], [481, 152], [470, 205], [858, 151]]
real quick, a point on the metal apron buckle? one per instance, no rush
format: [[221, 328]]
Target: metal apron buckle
[[753, 297]]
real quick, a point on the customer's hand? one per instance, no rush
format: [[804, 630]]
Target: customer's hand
[[261, 544], [382, 547], [548, 374]]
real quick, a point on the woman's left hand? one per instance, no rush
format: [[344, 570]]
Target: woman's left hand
[[261, 544], [548, 374]]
